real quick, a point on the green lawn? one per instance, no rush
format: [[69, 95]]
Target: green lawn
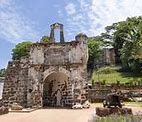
[[113, 74], [133, 104], [117, 118]]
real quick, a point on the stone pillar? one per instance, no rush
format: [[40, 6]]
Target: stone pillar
[[82, 39], [57, 26], [52, 34], [35, 86], [61, 34]]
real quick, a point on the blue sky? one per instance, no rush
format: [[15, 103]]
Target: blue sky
[[22, 20]]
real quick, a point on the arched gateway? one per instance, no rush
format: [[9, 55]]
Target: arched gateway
[[55, 89], [54, 74], [55, 84]]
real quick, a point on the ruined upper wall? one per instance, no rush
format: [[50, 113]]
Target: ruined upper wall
[[74, 52]]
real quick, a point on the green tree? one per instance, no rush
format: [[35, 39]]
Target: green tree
[[126, 39], [2, 72], [45, 39], [131, 52], [21, 50], [94, 49]]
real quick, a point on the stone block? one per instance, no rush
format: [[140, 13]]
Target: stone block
[[15, 106], [3, 110], [102, 112]]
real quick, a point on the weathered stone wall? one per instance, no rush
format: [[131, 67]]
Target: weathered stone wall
[[67, 53], [58, 53], [15, 85], [98, 95], [34, 88], [26, 80]]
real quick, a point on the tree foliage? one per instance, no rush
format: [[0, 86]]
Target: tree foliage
[[2, 72], [21, 50], [45, 39], [126, 37], [94, 49]]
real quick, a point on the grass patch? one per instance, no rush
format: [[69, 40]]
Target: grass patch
[[114, 74], [115, 118], [133, 104]]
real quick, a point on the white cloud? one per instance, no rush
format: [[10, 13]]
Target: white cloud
[[14, 26], [3, 2], [70, 8], [93, 15]]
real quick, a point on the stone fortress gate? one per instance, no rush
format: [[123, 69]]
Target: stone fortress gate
[[55, 74]]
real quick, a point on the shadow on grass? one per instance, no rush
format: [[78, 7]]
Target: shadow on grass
[[131, 76]]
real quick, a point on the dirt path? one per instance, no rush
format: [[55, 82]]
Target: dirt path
[[49, 115], [54, 115]]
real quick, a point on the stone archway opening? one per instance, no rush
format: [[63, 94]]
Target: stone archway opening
[[55, 89]]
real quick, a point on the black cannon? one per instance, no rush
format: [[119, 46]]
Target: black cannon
[[112, 100]]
